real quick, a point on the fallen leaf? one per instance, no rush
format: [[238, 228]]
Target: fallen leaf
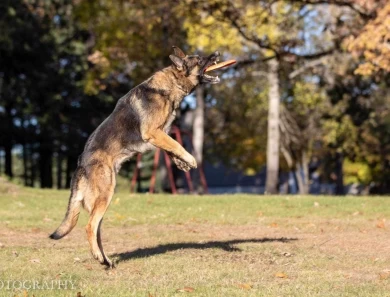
[[281, 275], [381, 224], [356, 213], [79, 294], [245, 286], [35, 261], [274, 225], [150, 295], [89, 267], [186, 289], [384, 275]]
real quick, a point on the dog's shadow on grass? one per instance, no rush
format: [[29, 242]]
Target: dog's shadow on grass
[[227, 246]]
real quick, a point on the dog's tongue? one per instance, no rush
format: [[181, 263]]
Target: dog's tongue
[[220, 65]]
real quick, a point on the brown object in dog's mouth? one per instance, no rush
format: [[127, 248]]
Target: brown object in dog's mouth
[[220, 65]]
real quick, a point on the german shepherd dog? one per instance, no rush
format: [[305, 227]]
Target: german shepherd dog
[[139, 122]]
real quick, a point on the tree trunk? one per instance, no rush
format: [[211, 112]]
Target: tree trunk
[[306, 177], [198, 134], [298, 175], [70, 166], [25, 164], [33, 169], [287, 157], [339, 174], [45, 166], [273, 128], [8, 159], [59, 171], [289, 160]]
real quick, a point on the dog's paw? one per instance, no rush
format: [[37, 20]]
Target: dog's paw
[[98, 256], [191, 162], [184, 165], [108, 263]]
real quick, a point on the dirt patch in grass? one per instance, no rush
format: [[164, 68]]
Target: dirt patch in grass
[[328, 259], [202, 246]]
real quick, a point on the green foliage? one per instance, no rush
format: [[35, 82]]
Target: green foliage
[[65, 63], [130, 41], [236, 121], [340, 134], [356, 172], [308, 98], [207, 34]]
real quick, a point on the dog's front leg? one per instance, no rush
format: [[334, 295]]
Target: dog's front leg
[[183, 159]]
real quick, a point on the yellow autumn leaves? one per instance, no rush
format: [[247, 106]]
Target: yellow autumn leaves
[[373, 43]]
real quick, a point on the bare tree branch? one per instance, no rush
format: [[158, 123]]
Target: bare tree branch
[[308, 65], [231, 14], [314, 55]]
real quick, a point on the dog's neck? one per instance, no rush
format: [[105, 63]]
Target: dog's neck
[[184, 83]]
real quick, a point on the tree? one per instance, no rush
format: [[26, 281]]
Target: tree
[[236, 118], [273, 128], [267, 31], [198, 128], [371, 43]]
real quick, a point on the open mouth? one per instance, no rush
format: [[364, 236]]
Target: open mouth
[[205, 78], [213, 64]]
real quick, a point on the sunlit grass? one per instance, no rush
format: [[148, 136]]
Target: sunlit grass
[[230, 245]]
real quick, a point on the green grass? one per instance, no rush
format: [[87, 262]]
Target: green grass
[[236, 245]]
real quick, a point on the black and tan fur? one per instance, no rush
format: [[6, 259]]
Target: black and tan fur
[[139, 122]]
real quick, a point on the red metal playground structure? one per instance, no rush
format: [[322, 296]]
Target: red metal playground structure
[[177, 134]]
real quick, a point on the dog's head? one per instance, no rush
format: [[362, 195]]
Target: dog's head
[[194, 66]]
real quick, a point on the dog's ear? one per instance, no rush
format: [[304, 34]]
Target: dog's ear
[[178, 52], [178, 62]]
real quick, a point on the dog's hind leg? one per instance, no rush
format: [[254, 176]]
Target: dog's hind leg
[[93, 228], [107, 261], [104, 189]]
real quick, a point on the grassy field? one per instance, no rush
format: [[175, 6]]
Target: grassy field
[[164, 245]]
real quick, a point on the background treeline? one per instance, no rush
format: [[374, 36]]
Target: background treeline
[[313, 73]]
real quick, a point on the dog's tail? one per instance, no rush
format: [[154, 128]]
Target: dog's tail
[[74, 205]]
